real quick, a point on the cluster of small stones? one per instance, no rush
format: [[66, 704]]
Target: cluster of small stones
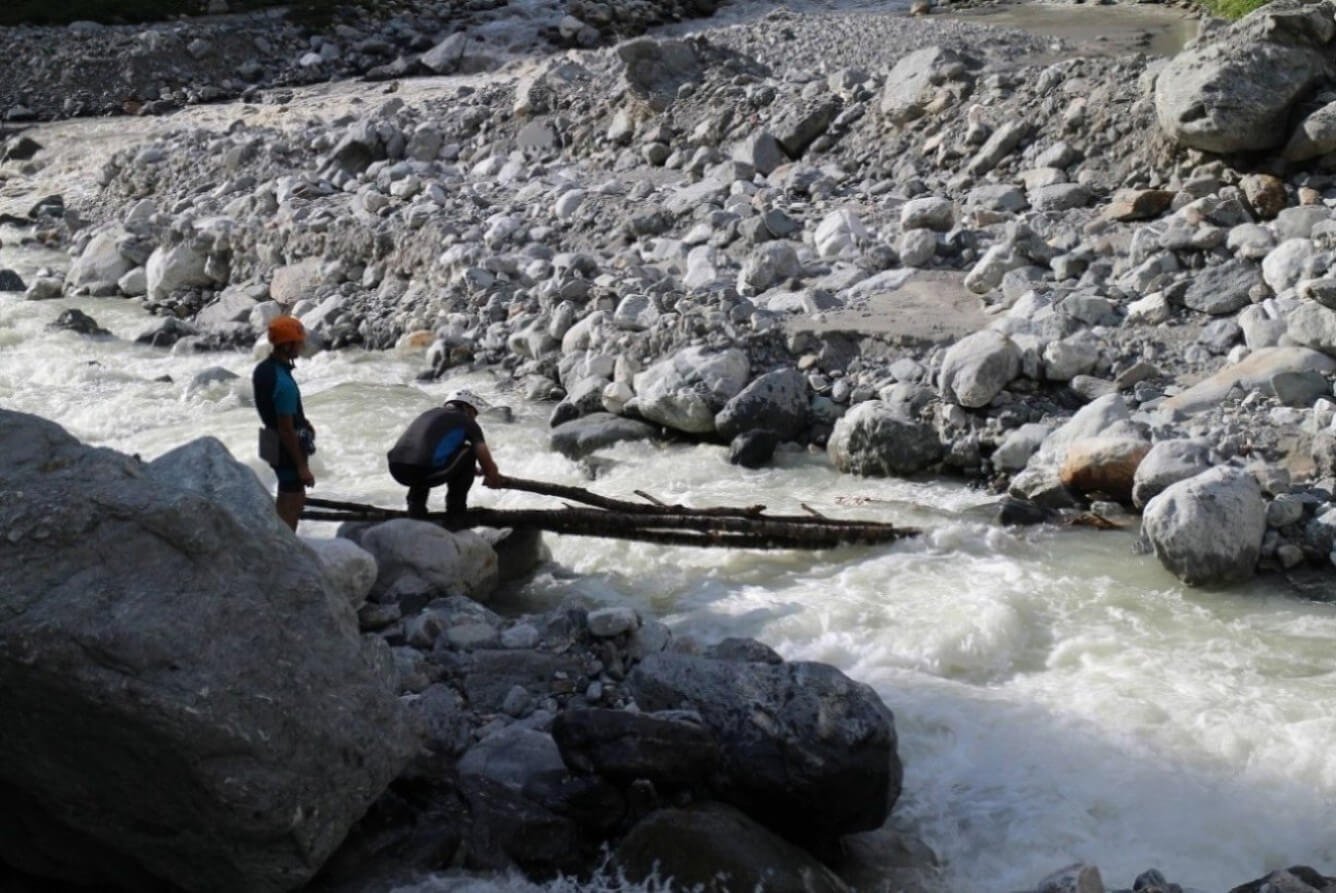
[[572, 225], [87, 68], [658, 230]]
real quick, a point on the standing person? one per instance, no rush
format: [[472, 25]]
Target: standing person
[[440, 447], [287, 437]]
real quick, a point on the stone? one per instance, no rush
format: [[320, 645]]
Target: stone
[[978, 367], [292, 282], [350, 570], [11, 281], [710, 846], [1265, 194], [1315, 136], [1138, 204], [1253, 372], [75, 320], [686, 391], [588, 434], [1222, 288], [916, 80], [181, 620], [878, 439], [101, 260], [669, 751], [605, 623], [1104, 465], [1015, 450], [446, 56], [932, 212], [822, 763], [1167, 463], [839, 233], [171, 269], [776, 401], [1208, 529], [1040, 480], [767, 265], [762, 151], [753, 449], [1078, 878], [1287, 263], [1235, 95], [419, 556]]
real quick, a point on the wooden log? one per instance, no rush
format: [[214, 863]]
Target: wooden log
[[668, 528], [655, 507]]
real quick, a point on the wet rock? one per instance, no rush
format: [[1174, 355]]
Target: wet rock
[[11, 281], [823, 764], [876, 438], [582, 436], [776, 401], [667, 750], [1105, 465], [700, 844], [80, 323], [1208, 529], [753, 449]]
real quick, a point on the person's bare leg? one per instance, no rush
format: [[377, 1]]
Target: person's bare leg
[[290, 508]]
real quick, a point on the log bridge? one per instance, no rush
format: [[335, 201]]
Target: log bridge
[[650, 521]]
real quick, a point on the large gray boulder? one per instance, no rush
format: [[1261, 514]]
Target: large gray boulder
[[175, 267], [1236, 95], [417, 557], [685, 391], [977, 367], [196, 704], [1208, 528], [803, 748], [588, 434], [777, 401], [921, 77], [1167, 463], [882, 439], [101, 260], [1041, 479]]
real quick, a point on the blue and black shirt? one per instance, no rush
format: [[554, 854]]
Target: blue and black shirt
[[276, 394]]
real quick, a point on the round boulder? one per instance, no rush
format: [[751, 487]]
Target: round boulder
[[876, 438], [1209, 528]]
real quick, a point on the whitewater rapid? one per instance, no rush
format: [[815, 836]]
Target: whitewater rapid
[[1058, 698]]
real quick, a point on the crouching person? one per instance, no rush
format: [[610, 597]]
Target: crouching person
[[442, 446]]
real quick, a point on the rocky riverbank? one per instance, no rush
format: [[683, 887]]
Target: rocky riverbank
[[1098, 284]]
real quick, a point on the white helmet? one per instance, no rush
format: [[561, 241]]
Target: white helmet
[[468, 398]]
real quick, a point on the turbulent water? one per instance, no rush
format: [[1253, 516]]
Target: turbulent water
[[1058, 698]]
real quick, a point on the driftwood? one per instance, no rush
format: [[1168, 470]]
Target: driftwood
[[739, 528]]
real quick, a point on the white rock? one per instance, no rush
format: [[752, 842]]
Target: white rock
[[1208, 528], [840, 232], [350, 569], [423, 557]]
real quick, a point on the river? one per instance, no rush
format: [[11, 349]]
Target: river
[[1057, 697]]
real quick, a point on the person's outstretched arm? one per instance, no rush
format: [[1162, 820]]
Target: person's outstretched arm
[[491, 476]]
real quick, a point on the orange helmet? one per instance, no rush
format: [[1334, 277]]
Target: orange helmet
[[286, 329]]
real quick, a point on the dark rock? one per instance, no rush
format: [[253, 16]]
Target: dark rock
[[77, 321], [21, 148], [494, 673], [507, 829], [562, 413], [777, 401], [1290, 880], [710, 846], [1015, 512], [753, 449], [622, 747], [48, 206], [167, 333], [589, 801], [745, 650], [11, 281], [823, 762], [580, 437]]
